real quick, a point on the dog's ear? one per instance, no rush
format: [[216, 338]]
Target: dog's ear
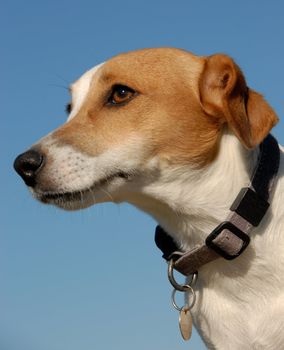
[[225, 95]]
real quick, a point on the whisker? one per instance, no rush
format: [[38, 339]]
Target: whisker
[[92, 194], [61, 78], [60, 86], [108, 194]]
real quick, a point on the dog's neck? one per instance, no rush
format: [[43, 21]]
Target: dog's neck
[[188, 203]]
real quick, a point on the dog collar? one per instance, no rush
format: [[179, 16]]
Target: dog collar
[[231, 237]]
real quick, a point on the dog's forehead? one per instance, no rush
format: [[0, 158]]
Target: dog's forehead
[[142, 67], [153, 64]]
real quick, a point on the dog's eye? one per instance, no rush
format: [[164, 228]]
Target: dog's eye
[[120, 94], [68, 108]]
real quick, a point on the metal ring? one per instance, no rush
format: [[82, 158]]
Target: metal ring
[[187, 305], [177, 286]]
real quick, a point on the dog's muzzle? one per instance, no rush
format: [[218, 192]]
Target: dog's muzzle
[[28, 164]]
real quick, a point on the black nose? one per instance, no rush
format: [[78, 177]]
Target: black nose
[[27, 165]]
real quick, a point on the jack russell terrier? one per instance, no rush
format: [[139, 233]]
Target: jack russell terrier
[[182, 137]]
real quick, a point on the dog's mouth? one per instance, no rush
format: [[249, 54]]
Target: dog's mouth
[[62, 197]]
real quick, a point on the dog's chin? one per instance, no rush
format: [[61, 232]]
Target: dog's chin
[[79, 199], [69, 200]]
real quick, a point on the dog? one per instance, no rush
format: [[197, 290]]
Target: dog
[[177, 136]]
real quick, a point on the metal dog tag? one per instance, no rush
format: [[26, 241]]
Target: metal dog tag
[[185, 323]]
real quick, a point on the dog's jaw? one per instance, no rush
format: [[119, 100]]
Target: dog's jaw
[[72, 180], [80, 199]]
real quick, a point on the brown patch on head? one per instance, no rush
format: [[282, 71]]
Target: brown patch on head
[[182, 102]]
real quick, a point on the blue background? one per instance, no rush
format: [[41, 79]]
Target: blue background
[[94, 279]]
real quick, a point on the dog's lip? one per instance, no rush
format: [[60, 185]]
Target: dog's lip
[[69, 196]]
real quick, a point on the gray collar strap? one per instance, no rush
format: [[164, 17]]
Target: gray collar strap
[[231, 237]]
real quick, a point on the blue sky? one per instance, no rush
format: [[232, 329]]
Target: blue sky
[[56, 294]]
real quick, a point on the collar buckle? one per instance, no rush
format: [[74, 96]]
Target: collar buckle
[[224, 237]]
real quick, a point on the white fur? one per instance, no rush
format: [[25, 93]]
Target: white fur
[[240, 304]]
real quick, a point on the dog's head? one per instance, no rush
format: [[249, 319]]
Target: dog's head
[[137, 114]]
